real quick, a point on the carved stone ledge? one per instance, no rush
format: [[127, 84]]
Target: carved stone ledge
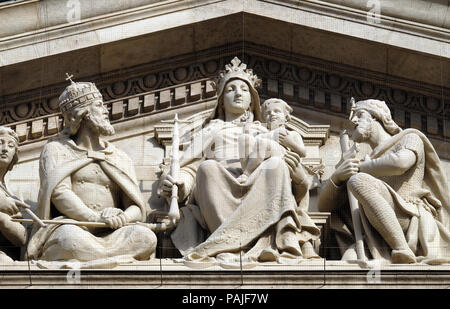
[[163, 134], [168, 274], [124, 109], [311, 134], [315, 84]]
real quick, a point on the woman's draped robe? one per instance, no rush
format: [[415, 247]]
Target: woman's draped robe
[[258, 219]]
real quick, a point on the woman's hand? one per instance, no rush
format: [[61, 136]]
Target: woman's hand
[[166, 184], [8, 206]]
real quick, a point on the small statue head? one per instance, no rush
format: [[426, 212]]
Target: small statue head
[[82, 101], [237, 71], [376, 110], [9, 146], [276, 113]]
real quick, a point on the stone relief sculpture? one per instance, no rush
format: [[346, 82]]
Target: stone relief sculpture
[[401, 190], [86, 179], [253, 151], [258, 218], [12, 234], [243, 185]]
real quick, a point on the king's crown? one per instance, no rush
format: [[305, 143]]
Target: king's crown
[[78, 95]]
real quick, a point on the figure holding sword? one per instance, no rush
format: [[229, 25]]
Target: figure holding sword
[[399, 189], [348, 153], [174, 211]]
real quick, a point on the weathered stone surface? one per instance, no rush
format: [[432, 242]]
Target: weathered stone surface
[[383, 189], [230, 198], [13, 235], [168, 274], [159, 55], [100, 190]]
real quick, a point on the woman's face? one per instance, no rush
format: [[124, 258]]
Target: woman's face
[[236, 97], [7, 150]]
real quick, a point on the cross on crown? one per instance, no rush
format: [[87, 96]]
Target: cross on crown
[[77, 94]]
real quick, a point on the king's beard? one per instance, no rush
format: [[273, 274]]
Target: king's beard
[[363, 131], [275, 123], [99, 125]]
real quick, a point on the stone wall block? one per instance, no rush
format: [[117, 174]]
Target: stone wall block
[[303, 94], [319, 98], [133, 106], [335, 102], [446, 129], [432, 125], [416, 121], [180, 95], [399, 117], [164, 99], [149, 103], [22, 131], [37, 128], [52, 125], [195, 92], [272, 87], [117, 110], [210, 91], [288, 90]]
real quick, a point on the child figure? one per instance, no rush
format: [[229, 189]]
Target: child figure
[[254, 150]]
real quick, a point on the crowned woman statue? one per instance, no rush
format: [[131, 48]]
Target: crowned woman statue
[[224, 220]]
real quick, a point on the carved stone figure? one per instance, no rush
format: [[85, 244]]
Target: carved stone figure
[[85, 178], [253, 151], [12, 234], [224, 219], [401, 190]]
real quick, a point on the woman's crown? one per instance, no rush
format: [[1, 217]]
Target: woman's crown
[[236, 70]]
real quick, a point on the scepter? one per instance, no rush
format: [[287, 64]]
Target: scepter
[[155, 227], [174, 211], [354, 207], [26, 208]]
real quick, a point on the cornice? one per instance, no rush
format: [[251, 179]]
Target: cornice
[[386, 19], [170, 14], [313, 84], [98, 30]]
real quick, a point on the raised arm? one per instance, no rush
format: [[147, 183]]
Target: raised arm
[[13, 231], [390, 164]]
